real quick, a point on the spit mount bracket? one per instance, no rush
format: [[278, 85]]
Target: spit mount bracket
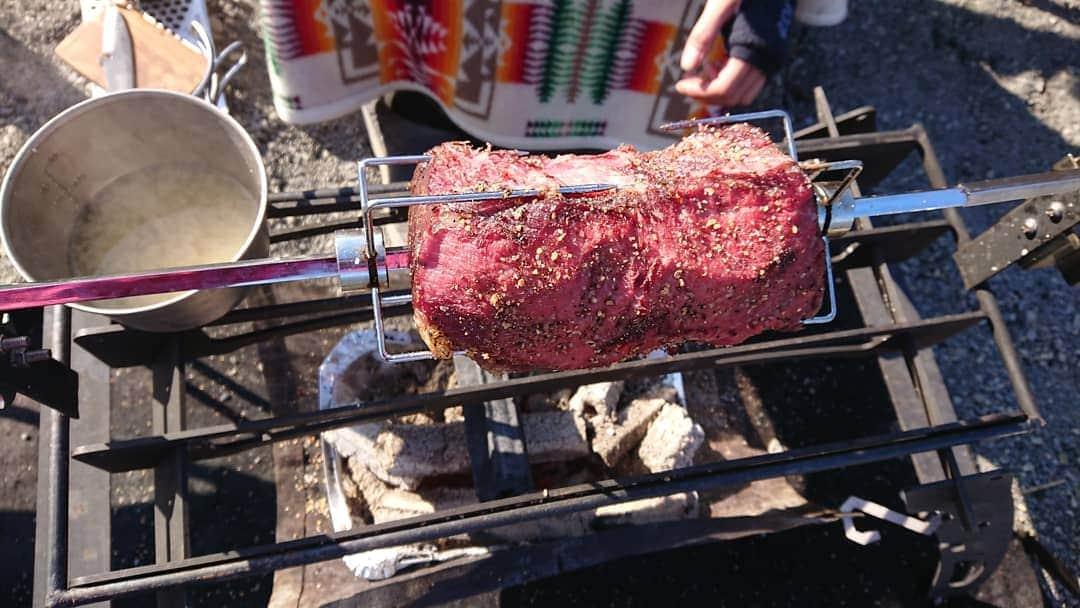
[[1038, 233]]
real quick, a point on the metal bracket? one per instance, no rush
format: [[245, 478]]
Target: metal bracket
[[1036, 234], [976, 525], [31, 371], [836, 201], [495, 436]]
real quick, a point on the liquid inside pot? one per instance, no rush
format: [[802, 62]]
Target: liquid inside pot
[[159, 217]]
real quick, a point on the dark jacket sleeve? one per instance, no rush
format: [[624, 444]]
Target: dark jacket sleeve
[[758, 33]]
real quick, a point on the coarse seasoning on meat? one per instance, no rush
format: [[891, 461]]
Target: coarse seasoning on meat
[[713, 239]]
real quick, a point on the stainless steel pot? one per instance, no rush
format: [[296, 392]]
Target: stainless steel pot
[[58, 196]]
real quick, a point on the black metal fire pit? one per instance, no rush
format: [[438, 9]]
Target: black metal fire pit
[[881, 329]]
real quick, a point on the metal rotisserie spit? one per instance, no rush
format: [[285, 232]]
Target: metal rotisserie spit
[[364, 265]]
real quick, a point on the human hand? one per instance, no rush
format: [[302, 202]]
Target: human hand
[[737, 82], [700, 40]]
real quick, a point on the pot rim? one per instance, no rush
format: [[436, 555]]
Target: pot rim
[[56, 122]]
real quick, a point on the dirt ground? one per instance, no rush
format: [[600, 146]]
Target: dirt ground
[[996, 83]]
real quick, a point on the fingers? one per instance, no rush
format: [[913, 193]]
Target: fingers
[[704, 32], [715, 90], [737, 84], [750, 84]]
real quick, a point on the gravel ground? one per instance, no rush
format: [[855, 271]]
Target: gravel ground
[[992, 109], [996, 84]]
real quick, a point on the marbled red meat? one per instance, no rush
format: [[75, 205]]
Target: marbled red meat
[[713, 239]]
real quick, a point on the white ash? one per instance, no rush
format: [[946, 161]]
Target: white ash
[[554, 436], [398, 504]]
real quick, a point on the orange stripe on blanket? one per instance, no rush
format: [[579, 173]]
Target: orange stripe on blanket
[[445, 63], [515, 24], [653, 46], [391, 55], [419, 42], [309, 35]]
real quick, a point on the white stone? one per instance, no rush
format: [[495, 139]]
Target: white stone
[[613, 439], [650, 510], [403, 455], [601, 398], [555, 436], [671, 441]]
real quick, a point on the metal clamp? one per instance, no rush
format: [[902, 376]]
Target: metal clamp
[[379, 259], [354, 267], [836, 202], [826, 198]]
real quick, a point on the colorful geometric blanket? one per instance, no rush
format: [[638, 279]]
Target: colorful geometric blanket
[[534, 74]]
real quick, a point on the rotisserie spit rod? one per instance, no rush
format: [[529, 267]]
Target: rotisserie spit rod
[[389, 269], [846, 208]]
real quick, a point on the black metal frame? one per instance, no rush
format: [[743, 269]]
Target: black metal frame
[[894, 334], [1041, 232], [28, 369]]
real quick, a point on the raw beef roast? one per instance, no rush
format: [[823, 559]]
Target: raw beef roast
[[713, 239]]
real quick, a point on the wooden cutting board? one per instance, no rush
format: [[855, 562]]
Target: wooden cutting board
[[162, 61]]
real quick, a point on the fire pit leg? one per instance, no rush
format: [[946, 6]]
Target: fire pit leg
[[975, 529], [171, 474], [500, 464]]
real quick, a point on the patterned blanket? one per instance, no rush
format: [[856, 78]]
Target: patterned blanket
[[533, 74]]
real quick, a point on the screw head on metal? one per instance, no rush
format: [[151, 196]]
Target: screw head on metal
[[1056, 211], [1031, 227], [23, 358], [13, 343]]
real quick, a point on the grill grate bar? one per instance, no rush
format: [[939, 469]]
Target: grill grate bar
[[212, 442], [550, 503]]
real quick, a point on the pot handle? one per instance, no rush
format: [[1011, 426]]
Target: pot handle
[[213, 85]]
